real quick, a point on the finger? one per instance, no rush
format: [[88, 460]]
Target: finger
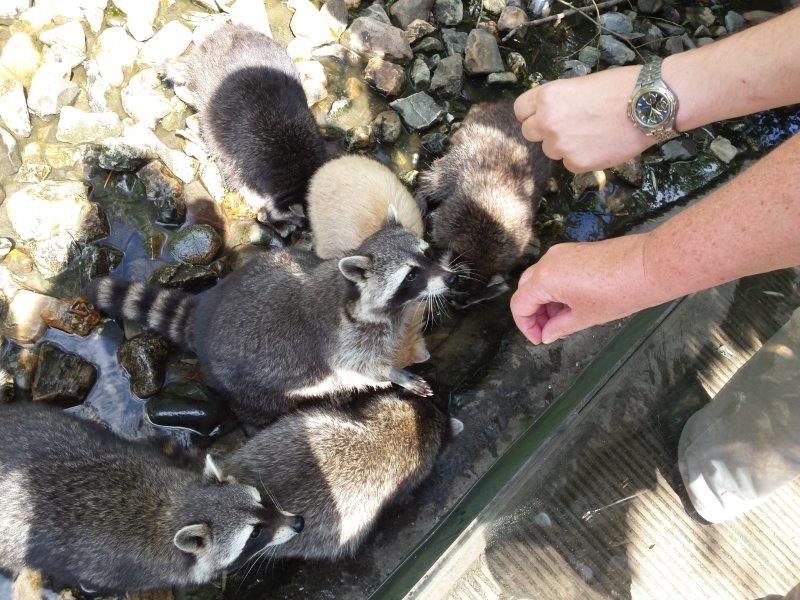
[[526, 275], [561, 325], [542, 317], [550, 151], [553, 308], [529, 327], [525, 105], [572, 167], [531, 130]]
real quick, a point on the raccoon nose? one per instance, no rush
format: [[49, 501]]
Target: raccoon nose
[[298, 524], [451, 279]]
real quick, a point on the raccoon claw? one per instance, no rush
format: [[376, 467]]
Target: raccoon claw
[[413, 383]]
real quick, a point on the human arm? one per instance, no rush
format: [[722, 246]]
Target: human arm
[[751, 225], [584, 120]]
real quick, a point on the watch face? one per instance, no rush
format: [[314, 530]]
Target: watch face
[[652, 109]]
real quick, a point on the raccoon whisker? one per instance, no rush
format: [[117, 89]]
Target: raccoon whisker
[[270, 495]]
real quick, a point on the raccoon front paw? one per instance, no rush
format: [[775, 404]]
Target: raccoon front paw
[[419, 387], [284, 225]]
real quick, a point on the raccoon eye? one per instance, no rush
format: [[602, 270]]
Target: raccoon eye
[[412, 275], [257, 530]]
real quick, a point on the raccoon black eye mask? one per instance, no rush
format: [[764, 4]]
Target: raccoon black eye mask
[[289, 327]]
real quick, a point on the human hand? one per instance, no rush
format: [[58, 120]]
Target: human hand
[[577, 285], [584, 120]]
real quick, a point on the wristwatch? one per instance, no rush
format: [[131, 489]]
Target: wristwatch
[[653, 106]]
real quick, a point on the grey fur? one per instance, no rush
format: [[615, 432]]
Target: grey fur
[[288, 327], [485, 192], [254, 119], [87, 507], [342, 466]]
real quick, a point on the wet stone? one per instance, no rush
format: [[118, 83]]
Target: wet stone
[[165, 191], [512, 18], [418, 111], [386, 77], [679, 149], [116, 154], [308, 22], [482, 56], [501, 79], [448, 12], [420, 75], [417, 30], [723, 149], [359, 138], [455, 42], [62, 378], [434, 143], [143, 358], [186, 405], [517, 65], [404, 12], [615, 52], [631, 171], [428, 45], [195, 244], [448, 77], [98, 260], [23, 322], [189, 278], [78, 318], [386, 128], [20, 363], [372, 38]]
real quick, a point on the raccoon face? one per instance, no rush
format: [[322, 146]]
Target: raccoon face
[[229, 523], [394, 267]]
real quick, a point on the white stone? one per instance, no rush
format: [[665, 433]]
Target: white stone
[[52, 88], [309, 23], [20, 58], [212, 180], [9, 9], [115, 51], [13, 109], [144, 98], [80, 127], [141, 15], [10, 160], [93, 11], [98, 89], [334, 12], [723, 149], [300, 48], [69, 34], [182, 166], [36, 18], [23, 323], [44, 210], [169, 43], [252, 13], [314, 80]]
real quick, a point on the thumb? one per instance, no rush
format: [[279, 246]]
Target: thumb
[[561, 325]]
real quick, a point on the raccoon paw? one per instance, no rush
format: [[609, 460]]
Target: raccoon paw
[[413, 383]]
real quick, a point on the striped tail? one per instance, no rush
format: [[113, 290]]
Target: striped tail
[[168, 312]]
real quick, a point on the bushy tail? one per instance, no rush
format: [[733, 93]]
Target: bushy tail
[[166, 311]]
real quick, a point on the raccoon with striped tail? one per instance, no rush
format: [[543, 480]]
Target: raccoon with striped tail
[[289, 327], [348, 200]]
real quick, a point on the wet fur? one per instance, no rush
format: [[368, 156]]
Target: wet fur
[[254, 117], [342, 466], [484, 194]]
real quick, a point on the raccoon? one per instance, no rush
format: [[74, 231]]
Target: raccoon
[[348, 200], [485, 192], [353, 461], [288, 326], [88, 508], [254, 120]]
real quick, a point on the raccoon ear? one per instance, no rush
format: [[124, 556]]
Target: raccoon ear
[[355, 268], [194, 539], [392, 218], [212, 471]]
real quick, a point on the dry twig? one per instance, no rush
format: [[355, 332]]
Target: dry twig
[[563, 15]]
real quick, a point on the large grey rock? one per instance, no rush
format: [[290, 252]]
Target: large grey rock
[[370, 38], [195, 244], [418, 111], [455, 42], [679, 149], [512, 18], [13, 109], [378, 12], [448, 77], [51, 89], [448, 12], [62, 378], [168, 44], [406, 11], [615, 52], [144, 357], [617, 22], [165, 191], [420, 75], [10, 160], [144, 98], [80, 127], [482, 56], [384, 76], [734, 21]]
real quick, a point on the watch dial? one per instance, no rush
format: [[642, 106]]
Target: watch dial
[[652, 109]]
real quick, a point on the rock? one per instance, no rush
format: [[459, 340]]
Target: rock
[[679, 149], [671, 29], [141, 15], [432, 61], [372, 38], [428, 45], [80, 127], [29, 585], [512, 18], [335, 14], [7, 244], [420, 75], [448, 77], [186, 405], [615, 52], [183, 166], [78, 318], [491, 28], [252, 13], [758, 16], [434, 143], [10, 160], [631, 171], [32, 173], [144, 98], [359, 138], [617, 22], [19, 58], [384, 76], [195, 244], [673, 45], [23, 323], [517, 65], [589, 55], [448, 12], [143, 358], [540, 8], [418, 111], [62, 378], [189, 278], [501, 79], [168, 44], [649, 7], [314, 80], [386, 128], [723, 149], [703, 41], [406, 11], [93, 12], [9, 9], [51, 89], [719, 31], [699, 15], [114, 52], [13, 109], [98, 260], [653, 38], [378, 12], [67, 44], [482, 56], [586, 181], [116, 154], [734, 21], [494, 7], [165, 191], [455, 42], [575, 68], [417, 29], [309, 23]]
